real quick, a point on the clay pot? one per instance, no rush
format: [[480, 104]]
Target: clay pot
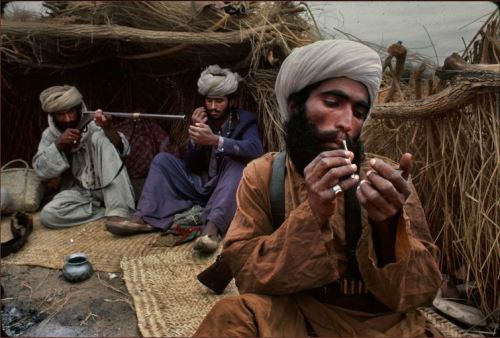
[[77, 268]]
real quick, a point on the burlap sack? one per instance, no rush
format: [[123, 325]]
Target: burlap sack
[[24, 187]]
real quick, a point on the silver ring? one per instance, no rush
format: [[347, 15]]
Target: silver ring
[[336, 189]]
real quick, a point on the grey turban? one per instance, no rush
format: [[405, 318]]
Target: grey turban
[[60, 98], [215, 81], [324, 60]]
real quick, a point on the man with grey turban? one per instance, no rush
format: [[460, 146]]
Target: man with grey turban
[[222, 139], [351, 254], [93, 182]]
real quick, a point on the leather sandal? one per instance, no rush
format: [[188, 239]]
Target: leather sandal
[[126, 227]]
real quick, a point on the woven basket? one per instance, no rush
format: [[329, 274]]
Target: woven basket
[[24, 187]]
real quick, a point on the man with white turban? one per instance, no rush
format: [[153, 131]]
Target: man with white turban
[[222, 139], [93, 182], [352, 255]]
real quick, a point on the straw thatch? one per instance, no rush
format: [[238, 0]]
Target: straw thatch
[[453, 133], [144, 54]]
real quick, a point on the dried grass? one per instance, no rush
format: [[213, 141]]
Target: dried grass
[[144, 54], [456, 172]]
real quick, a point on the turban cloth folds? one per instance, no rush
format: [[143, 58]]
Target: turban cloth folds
[[60, 98], [324, 60], [216, 81]]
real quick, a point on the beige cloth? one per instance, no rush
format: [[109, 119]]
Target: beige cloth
[[94, 162], [301, 255], [216, 81], [60, 98]]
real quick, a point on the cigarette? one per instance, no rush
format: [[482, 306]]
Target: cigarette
[[345, 147], [345, 144]]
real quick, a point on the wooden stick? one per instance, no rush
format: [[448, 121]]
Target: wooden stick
[[129, 34], [452, 97]]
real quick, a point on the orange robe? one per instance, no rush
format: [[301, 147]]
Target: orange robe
[[274, 268]]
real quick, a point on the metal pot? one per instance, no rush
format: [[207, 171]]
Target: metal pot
[[77, 268]]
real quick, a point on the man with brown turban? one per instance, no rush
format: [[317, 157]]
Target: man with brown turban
[[93, 182], [353, 255]]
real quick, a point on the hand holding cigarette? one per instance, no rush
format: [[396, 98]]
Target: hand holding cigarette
[[346, 149], [325, 178]]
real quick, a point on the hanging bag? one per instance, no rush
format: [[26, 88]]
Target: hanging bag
[[24, 187]]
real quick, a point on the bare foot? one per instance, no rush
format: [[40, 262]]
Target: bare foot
[[210, 229]]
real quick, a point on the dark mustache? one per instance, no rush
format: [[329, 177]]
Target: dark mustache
[[326, 136]]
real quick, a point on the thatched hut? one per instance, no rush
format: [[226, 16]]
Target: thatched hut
[[450, 123], [144, 55]]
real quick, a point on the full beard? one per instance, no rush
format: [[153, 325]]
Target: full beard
[[62, 126], [304, 141]]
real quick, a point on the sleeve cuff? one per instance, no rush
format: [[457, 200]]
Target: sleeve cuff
[[126, 144], [220, 146], [402, 245]]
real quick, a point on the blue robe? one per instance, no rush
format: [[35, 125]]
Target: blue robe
[[204, 177]]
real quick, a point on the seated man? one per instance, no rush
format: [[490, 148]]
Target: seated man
[[93, 182], [222, 140], [351, 258]]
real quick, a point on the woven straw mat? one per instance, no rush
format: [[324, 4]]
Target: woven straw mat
[[169, 301], [50, 247], [447, 328]]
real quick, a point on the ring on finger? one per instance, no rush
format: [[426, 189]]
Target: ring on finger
[[336, 189]]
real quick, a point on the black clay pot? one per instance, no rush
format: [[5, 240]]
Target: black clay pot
[[77, 268]]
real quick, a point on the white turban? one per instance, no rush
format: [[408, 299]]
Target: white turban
[[215, 81], [60, 98], [324, 60]]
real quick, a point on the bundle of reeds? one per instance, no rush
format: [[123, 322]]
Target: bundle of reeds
[[145, 54], [454, 136]]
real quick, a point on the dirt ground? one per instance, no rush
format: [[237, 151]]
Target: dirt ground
[[38, 302]]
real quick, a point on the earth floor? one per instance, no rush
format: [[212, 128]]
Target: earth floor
[[38, 302]]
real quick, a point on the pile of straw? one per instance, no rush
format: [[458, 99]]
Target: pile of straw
[[144, 54], [453, 133]]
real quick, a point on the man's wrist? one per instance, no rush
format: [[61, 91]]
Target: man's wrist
[[220, 144], [384, 239]]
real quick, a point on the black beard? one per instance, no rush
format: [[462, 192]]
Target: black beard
[[73, 124], [222, 117], [304, 141]]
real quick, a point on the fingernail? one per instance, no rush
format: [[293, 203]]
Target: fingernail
[[346, 153], [353, 166], [369, 172], [372, 161], [355, 176], [347, 160], [362, 182]]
